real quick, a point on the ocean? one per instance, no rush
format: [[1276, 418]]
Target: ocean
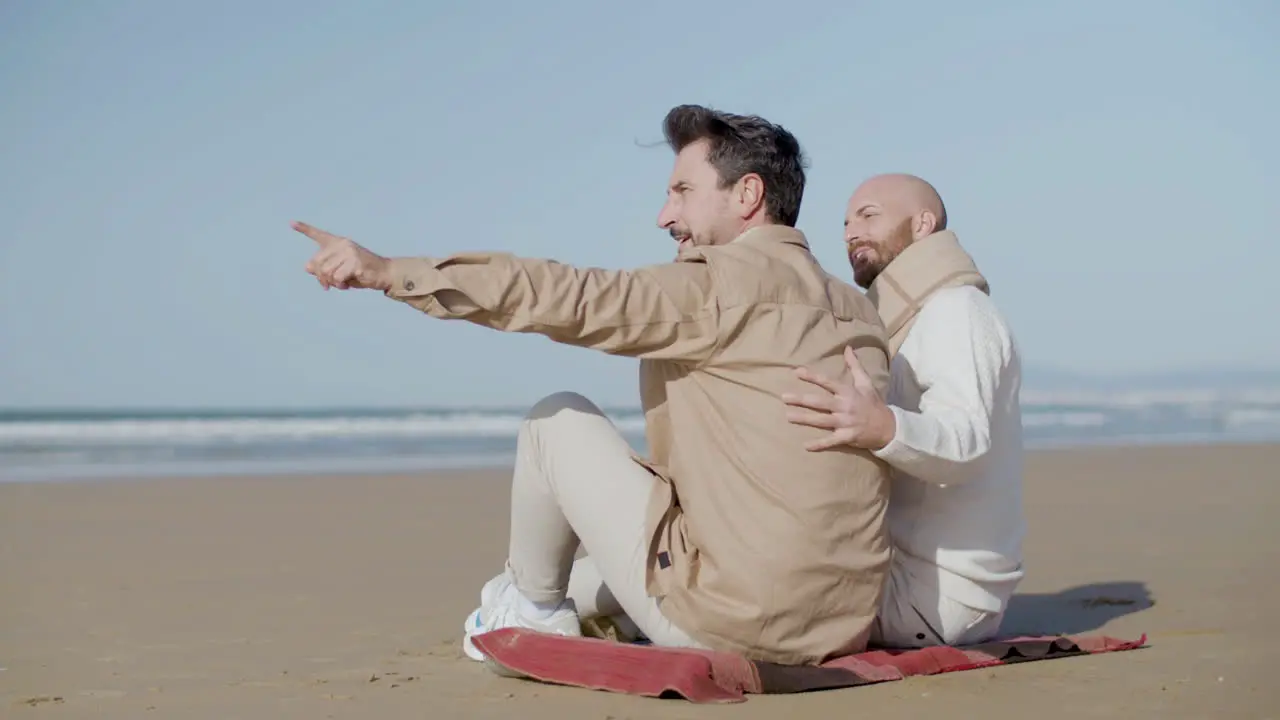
[[65, 444]]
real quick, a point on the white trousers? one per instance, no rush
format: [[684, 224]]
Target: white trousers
[[914, 614], [575, 484]]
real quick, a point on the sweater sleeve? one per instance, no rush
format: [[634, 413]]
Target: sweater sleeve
[[960, 351]]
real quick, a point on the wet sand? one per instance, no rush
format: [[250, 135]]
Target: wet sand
[[336, 597]]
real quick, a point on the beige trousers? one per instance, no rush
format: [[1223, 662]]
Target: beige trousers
[[576, 484]]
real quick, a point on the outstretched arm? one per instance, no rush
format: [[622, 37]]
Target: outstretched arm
[[665, 311]]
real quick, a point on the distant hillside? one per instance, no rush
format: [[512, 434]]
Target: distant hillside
[[1046, 379]]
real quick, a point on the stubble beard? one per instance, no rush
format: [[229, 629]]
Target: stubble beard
[[885, 253]]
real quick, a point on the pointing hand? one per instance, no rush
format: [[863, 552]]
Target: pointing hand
[[339, 262]]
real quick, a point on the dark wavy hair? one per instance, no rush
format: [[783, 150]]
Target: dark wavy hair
[[743, 144]]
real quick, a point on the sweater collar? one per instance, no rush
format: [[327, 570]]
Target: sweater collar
[[927, 265]]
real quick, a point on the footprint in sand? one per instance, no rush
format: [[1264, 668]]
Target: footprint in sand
[[42, 700]]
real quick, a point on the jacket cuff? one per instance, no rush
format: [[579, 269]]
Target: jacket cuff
[[415, 277], [897, 450], [420, 283]]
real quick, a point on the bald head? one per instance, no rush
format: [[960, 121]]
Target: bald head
[[885, 215], [905, 195]]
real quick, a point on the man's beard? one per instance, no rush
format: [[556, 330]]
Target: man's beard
[[866, 274], [885, 253], [686, 239], [682, 241]]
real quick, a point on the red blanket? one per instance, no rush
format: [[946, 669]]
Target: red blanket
[[705, 676]]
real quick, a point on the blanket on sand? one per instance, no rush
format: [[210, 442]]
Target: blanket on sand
[[714, 677]]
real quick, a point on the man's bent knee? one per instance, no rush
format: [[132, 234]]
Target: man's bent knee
[[554, 403]]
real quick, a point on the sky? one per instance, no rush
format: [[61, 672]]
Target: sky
[[1114, 169]]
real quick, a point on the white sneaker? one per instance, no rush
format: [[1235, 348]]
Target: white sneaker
[[500, 608], [491, 589]]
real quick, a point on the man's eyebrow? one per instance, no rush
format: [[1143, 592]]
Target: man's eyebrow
[[859, 211]]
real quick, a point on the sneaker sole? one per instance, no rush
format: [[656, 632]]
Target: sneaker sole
[[471, 651], [471, 625], [472, 622]]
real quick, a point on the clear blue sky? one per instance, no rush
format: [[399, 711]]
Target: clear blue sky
[[1114, 167]]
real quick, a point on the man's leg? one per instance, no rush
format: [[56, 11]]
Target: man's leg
[[601, 613], [589, 592], [575, 482]]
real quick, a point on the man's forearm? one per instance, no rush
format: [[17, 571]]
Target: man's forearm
[[650, 312], [941, 446], [959, 360]]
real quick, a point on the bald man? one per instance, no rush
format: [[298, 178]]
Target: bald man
[[950, 427]]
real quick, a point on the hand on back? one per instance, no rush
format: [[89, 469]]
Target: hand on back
[[851, 409]]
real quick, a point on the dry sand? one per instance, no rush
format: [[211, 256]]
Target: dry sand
[[342, 597]]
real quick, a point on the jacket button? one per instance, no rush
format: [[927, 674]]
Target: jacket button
[[408, 285]]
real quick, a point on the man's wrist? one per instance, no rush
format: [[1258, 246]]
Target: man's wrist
[[383, 278], [886, 429]]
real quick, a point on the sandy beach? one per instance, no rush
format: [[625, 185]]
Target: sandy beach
[[336, 597]]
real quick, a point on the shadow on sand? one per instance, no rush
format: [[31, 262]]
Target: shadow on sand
[[1082, 609]]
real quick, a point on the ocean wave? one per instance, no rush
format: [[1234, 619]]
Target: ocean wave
[[1064, 419], [47, 434], [250, 429], [35, 445]]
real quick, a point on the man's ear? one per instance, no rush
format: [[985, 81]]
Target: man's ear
[[750, 194], [925, 224]]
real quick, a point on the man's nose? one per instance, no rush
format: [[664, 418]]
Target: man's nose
[[666, 216]]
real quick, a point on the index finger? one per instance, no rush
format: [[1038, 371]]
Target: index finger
[[320, 236], [818, 379], [860, 377]]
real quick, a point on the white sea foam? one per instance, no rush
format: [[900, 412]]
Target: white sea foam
[[72, 431], [254, 429], [1253, 417], [51, 445], [1064, 419]]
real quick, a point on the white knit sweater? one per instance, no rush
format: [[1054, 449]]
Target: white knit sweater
[[955, 512]]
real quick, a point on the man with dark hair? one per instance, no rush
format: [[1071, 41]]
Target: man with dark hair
[[729, 535]]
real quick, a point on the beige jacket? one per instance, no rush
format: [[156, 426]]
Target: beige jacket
[[757, 546]]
